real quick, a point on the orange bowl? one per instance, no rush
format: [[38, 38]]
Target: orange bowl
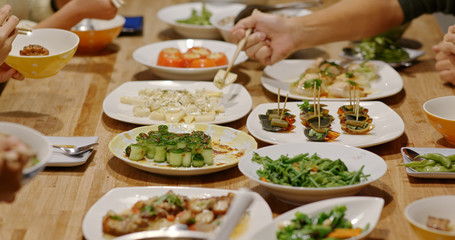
[[104, 33], [441, 114]]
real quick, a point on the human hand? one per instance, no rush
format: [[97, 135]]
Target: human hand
[[8, 31], [100, 9], [7, 72], [272, 39], [444, 65], [447, 46]]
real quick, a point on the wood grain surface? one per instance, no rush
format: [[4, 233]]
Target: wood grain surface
[[53, 205]]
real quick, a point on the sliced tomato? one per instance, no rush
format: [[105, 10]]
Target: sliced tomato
[[188, 57], [204, 52], [219, 58], [169, 60], [202, 63]]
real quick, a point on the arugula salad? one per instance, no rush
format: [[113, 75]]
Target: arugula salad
[[305, 170]]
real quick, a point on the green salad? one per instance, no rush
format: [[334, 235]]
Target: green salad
[[198, 19], [305, 170], [331, 225], [382, 48]]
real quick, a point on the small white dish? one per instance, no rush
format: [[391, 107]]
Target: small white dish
[[240, 143], [236, 100], [352, 157], [417, 214], [282, 74], [361, 211], [34, 139], [59, 159], [388, 125], [414, 173], [148, 55], [413, 55], [171, 14], [120, 199]]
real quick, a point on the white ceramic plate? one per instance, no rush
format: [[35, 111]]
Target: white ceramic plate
[[120, 199], [242, 142], [171, 14], [414, 173], [59, 159], [388, 125], [283, 73], [360, 211], [236, 100], [352, 157], [148, 55], [413, 55], [443, 206]]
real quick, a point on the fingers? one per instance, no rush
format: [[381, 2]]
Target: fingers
[[446, 70], [4, 12], [448, 76]]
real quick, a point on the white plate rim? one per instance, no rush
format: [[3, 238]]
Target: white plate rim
[[114, 109], [147, 55], [255, 129], [316, 207], [212, 7], [413, 173], [413, 55], [270, 83], [179, 171], [99, 208], [245, 162]]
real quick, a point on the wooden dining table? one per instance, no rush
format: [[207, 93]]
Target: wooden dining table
[[53, 204]]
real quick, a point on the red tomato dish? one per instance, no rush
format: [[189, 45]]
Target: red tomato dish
[[195, 57]]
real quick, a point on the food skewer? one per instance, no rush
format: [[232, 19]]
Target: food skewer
[[284, 106], [278, 101]]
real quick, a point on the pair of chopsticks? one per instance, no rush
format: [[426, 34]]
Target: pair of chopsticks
[[118, 3], [24, 31]]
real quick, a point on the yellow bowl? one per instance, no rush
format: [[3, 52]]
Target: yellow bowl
[[61, 44], [441, 114], [418, 212], [104, 33]]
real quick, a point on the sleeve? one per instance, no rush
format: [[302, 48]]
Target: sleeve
[[414, 8]]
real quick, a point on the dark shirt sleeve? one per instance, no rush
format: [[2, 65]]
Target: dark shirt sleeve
[[414, 8]]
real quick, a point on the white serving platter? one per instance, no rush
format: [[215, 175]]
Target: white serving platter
[[388, 125], [283, 73], [236, 100]]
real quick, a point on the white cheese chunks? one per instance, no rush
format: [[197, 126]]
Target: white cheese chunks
[[176, 105]]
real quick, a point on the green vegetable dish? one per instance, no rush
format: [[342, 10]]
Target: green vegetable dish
[[433, 162], [305, 170], [331, 225], [176, 149], [195, 19], [382, 48]]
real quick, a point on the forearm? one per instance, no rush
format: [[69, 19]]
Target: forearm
[[347, 20], [65, 18]]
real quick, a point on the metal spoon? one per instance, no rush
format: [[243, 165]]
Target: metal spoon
[[76, 150], [411, 154], [84, 25]]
